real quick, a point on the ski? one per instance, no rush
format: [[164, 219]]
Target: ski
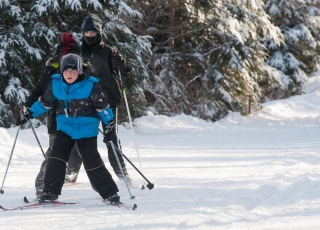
[[132, 185], [25, 200], [36, 205], [119, 204], [122, 205], [37, 201], [71, 183]]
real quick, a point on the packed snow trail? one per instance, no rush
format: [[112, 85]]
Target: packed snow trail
[[256, 172]]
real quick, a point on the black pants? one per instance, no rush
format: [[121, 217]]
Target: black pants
[[112, 136], [98, 175], [74, 163]]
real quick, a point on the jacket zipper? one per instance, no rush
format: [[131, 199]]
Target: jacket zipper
[[66, 103]]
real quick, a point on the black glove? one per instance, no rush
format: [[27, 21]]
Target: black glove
[[117, 60], [109, 127], [25, 114], [20, 120]]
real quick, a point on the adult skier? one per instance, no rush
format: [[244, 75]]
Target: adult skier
[[106, 62]]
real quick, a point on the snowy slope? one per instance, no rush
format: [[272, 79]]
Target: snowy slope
[[256, 172]]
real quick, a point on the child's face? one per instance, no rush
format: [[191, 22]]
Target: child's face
[[70, 75]]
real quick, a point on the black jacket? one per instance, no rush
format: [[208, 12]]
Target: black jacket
[[100, 57], [40, 88]]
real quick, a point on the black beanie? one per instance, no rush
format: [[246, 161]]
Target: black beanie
[[71, 61], [92, 23]]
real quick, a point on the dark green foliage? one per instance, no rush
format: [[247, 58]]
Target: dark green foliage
[[30, 31], [206, 58], [212, 57]]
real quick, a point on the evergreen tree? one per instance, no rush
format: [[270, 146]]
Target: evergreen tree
[[14, 50], [209, 57], [205, 58], [298, 55], [30, 30]]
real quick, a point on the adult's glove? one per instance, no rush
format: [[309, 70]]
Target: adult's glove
[[49, 61], [25, 114], [108, 127], [117, 60]]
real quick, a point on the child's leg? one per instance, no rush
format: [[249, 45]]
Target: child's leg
[[74, 165], [39, 183], [56, 168], [98, 175]]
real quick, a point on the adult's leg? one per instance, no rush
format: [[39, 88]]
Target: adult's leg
[[112, 136], [98, 174], [57, 162], [74, 165], [39, 184]]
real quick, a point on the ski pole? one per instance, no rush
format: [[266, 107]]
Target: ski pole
[[14, 144], [149, 185], [116, 155], [36, 138], [132, 131], [116, 121], [129, 116]]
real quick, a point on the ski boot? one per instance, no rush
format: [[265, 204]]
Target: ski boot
[[114, 199], [126, 177], [71, 178], [48, 197]]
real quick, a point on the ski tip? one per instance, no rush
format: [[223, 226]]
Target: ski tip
[[1, 207], [134, 207], [25, 200]]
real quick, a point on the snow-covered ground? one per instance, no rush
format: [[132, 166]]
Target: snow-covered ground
[[256, 172]]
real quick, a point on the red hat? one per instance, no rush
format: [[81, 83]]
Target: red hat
[[67, 44]]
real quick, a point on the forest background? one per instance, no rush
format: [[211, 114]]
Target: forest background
[[202, 58]]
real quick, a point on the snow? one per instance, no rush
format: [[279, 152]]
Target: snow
[[256, 172]]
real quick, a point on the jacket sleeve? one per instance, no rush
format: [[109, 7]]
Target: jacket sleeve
[[40, 86], [99, 101], [45, 102]]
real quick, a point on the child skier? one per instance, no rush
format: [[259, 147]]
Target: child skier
[[80, 102], [68, 44]]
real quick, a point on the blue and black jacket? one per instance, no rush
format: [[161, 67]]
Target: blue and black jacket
[[51, 68], [79, 106]]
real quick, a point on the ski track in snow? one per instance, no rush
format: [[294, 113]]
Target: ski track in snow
[[256, 172]]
